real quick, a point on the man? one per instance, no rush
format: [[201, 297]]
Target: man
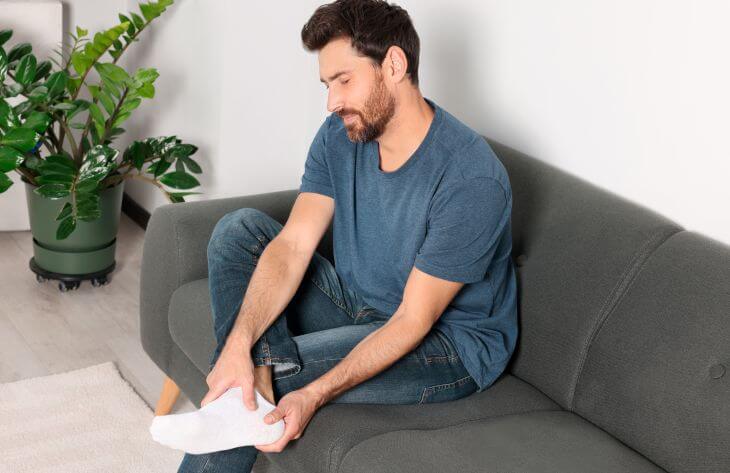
[[422, 304]]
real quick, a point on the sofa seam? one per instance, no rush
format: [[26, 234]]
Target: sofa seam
[[475, 419], [620, 289]]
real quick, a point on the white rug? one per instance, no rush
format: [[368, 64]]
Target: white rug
[[87, 420]]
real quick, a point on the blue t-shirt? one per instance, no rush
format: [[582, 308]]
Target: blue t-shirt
[[446, 210]]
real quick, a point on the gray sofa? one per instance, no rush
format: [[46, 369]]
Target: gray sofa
[[622, 362]]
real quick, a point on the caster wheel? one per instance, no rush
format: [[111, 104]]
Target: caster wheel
[[96, 282], [65, 286], [40, 278]]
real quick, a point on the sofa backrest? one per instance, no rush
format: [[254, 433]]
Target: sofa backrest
[[657, 374], [576, 247]]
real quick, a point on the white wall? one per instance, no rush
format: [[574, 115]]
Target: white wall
[[630, 95]]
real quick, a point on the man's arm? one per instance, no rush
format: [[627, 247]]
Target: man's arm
[[281, 268], [425, 298], [273, 283]]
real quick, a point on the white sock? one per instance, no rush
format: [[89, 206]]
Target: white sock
[[219, 425]]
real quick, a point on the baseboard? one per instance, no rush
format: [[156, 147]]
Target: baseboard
[[135, 211]]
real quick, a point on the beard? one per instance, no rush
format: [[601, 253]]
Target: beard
[[378, 110]]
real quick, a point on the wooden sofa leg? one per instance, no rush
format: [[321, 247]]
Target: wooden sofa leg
[[170, 392]]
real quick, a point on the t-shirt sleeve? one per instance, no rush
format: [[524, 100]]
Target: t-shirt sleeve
[[317, 177], [465, 225]]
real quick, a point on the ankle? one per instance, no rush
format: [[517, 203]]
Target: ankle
[[263, 382]]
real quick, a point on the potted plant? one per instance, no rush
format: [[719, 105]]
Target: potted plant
[[57, 126]]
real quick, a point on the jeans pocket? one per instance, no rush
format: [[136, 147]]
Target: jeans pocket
[[449, 391]]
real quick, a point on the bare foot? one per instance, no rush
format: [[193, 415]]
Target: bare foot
[[263, 382]]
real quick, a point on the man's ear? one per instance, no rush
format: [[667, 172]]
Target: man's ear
[[395, 63]]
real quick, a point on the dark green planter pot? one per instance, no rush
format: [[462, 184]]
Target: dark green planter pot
[[91, 246]]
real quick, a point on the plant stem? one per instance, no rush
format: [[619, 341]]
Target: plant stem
[[71, 141], [152, 181]]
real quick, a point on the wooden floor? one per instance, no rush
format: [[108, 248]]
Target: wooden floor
[[45, 331]]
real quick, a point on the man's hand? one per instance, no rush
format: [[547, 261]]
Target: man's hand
[[234, 367], [296, 408]]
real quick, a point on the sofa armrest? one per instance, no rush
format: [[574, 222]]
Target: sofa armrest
[[175, 253]]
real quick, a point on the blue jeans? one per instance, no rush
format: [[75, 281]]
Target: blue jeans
[[321, 324]]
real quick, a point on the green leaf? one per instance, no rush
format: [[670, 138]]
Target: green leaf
[[87, 206], [82, 60], [79, 106], [183, 150], [97, 162], [96, 115], [63, 106], [77, 125], [65, 211], [55, 179], [8, 119], [47, 167], [120, 119], [192, 165], [42, 70], [87, 185], [80, 32], [18, 51], [138, 21], [22, 139], [39, 94], [3, 64], [5, 36], [5, 183], [56, 83], [159, 167], [13, 89], [131, 28], [62, 161], [67, 226], [53, 191], [107, 102], [112, 72], [136, 153], [147, 91], [129, 105], [25, 71], [38, 121], [23, 108], [179, 180], [10, 158]]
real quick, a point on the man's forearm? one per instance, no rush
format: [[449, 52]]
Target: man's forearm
[[376, 352], [274, 282]]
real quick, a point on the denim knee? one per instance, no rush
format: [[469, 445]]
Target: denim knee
[[241, 226]]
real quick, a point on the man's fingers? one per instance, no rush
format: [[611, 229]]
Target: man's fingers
[[273, 416], [213, 394], [289, 432], [249, 399]]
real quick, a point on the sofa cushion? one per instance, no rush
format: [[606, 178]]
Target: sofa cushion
[[336, 428], [657, 375], [576, 246], [536, 442]]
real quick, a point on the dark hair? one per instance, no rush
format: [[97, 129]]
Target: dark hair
[[372, 26]]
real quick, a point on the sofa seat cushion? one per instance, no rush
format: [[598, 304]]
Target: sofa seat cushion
[[530, 442], [336, 428]]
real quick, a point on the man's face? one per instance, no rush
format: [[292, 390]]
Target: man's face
[[359, 95]]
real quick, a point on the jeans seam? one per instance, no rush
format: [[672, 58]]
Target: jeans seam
[[336, 301], [442, 387]]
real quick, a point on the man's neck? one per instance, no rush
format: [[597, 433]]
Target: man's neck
[[405, 132]]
